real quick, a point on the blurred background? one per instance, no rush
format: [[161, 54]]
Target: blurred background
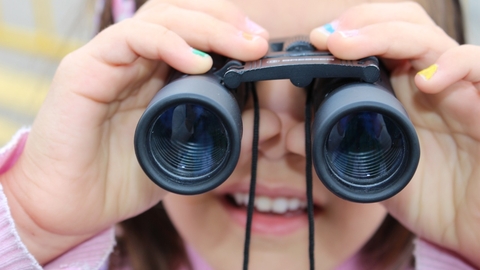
[[36, 34]]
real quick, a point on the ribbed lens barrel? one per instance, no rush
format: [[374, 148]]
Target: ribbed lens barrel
[[365, 148], [189, 141]]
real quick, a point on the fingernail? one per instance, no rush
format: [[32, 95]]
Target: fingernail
[[253, 27], [428, 72], [329, 28], [349, 33], [199, 53], [249, 36]]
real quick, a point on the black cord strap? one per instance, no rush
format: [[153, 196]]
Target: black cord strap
[[308, 178], [251, 197], [308, 168]]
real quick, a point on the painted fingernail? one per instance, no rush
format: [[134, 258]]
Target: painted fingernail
[[249, 36], [199, 53], [349, 33], [329, 28], [428, 73], [253, 27]]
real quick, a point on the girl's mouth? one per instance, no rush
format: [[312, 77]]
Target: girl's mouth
[[273, 215], [276, 205]]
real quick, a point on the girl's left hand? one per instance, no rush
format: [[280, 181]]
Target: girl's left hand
[[438, 82]]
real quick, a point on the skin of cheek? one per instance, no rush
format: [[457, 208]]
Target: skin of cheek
[[346, 227], [204, 225]]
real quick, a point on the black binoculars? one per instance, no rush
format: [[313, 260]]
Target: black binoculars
[[365, 148]]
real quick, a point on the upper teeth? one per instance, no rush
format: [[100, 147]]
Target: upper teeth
[[278, 205]]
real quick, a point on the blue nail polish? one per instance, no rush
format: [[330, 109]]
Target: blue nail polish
[[330, 28]]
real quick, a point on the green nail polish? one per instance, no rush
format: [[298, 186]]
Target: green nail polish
[[199, 53]]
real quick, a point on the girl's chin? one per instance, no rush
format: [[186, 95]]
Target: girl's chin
[[268, 222]]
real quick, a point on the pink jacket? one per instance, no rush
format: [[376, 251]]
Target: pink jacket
[[94, 253]]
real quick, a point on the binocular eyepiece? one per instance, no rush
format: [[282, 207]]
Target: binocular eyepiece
[[365, 149]]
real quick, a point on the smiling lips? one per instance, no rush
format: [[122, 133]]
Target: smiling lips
[[276, 215], [276, 205]]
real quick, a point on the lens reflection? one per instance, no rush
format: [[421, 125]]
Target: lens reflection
[[365, 148], [189, 141]]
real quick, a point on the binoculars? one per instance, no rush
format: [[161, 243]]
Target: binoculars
[[364, 147]]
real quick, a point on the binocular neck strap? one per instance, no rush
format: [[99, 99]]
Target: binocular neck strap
[[311, 226], [308, 176], [253, 178]]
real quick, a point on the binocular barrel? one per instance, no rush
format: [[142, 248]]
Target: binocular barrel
[[365, 149], [188, 139]]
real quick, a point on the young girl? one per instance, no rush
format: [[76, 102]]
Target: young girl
[[70, 178]]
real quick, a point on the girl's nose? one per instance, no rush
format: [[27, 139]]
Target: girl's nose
[[282, 114]]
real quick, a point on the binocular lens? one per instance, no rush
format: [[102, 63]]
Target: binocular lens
[[189, 141], [364, 148]]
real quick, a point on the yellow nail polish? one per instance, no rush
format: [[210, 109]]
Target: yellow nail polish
[[247, 36], [428, 72]]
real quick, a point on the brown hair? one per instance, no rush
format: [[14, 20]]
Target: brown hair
[[150, 241]]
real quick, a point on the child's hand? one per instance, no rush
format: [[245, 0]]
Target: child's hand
[[78, 173], [442, 203]]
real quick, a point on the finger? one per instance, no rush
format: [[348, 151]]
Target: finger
[[207, 33], [123, 43], [371, 13], [123, 56], [223, 10], [422, 44], [457, 64]]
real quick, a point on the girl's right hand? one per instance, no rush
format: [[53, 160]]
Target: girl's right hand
[[78, 173]]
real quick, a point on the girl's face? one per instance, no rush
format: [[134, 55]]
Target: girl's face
[[214, 223]]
